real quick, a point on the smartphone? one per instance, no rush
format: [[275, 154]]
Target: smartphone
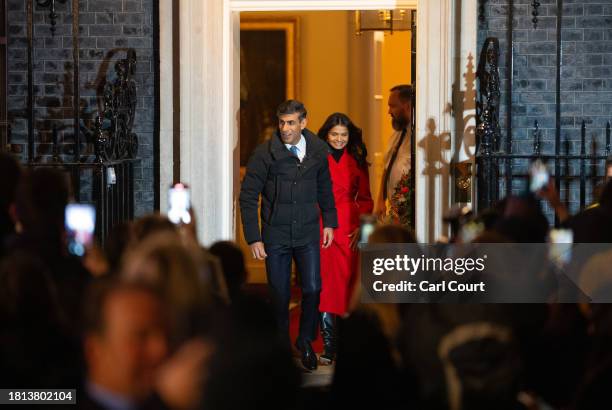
[[538, 176], [367, 226], [80, 227], [561, 241], [179, 204], [470, 231]]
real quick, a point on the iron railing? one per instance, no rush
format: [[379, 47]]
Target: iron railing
[[107, 180], [497, 167]]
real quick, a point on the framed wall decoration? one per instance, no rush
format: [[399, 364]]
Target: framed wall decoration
[[269, 72]]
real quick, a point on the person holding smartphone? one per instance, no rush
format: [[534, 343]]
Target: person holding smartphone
[[348, 168], [290, 173], [542, 185]]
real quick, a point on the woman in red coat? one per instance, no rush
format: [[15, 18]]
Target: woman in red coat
[[351, 187]]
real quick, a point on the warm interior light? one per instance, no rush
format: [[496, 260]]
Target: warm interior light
[[383, 20]]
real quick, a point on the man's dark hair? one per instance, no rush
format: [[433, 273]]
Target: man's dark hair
[[605, 198], [41, 199], [405, 91], [150, 225], [116, 243], [247, 341], [292, 107], [11, 172], [232, 263], [28, 293]]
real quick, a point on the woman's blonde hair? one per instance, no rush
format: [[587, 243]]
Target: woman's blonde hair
[[184, 275]]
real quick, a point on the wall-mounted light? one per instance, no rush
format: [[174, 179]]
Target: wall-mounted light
[[383, 20]]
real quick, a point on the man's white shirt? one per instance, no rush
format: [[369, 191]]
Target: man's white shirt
[[402, 162], [301, 147]]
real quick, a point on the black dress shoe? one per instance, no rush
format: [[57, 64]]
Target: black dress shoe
[[309, 358]]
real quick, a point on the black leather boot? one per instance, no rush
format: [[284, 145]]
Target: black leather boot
[[328, 332]]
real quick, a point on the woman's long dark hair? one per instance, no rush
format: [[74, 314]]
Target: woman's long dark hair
[[355, 147]]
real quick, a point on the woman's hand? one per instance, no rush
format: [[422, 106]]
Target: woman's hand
[[354, 237]]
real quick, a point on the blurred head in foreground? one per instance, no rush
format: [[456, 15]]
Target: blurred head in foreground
[[124, 339]]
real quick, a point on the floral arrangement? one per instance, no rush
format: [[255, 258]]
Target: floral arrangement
[[401, 211]]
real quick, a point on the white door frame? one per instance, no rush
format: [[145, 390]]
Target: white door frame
[[209, 75]]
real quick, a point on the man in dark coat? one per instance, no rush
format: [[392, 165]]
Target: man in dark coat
[[291, 174]]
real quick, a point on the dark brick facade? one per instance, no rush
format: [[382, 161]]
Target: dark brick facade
[[586, 76], [107, 29]]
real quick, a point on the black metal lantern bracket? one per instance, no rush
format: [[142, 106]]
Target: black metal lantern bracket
[[535, 5], [52, 14]]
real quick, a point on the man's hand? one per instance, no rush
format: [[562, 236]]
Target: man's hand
[[380, 205], [258, 250], [551, 194], [328, 237], [380, 210]]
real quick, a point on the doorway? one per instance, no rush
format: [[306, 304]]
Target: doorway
[[319, 58], [209, 100]]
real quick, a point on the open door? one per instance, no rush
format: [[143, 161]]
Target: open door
[[322, 59]]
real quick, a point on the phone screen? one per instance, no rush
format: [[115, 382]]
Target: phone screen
[[80, 227], [561, 241], [470, 231], [179, 203], [538, 176], [368, 224]]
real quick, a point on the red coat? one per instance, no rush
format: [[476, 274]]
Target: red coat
[[351, 188]]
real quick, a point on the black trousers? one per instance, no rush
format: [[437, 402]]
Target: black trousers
[[278, 269]]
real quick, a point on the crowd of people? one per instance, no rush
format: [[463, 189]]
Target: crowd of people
[[152, 321], [156, 321]]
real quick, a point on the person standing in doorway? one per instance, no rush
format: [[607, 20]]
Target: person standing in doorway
[[398, 164], [351, 187], [291, 174]]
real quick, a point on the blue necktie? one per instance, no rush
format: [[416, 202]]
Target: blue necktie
[[294, 151]]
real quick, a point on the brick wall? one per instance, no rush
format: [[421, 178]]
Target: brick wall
[[107, 28], [586, 76]]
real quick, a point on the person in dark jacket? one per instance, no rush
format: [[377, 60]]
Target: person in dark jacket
[[291, 174], [11, 172]]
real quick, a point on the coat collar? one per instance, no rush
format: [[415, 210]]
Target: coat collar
[[313, 148]]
